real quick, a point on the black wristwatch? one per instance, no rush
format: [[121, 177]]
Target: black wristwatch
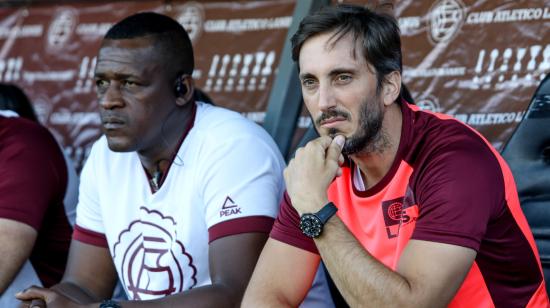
[[312, 224], [109, 303]]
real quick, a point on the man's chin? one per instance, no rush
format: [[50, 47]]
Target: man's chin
[[118, 145], [333, 132]]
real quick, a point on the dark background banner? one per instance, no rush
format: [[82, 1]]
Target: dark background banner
[[477, 60]]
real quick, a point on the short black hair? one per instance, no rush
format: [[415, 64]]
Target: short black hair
[[377, 33], [171, 36], [14, 99]]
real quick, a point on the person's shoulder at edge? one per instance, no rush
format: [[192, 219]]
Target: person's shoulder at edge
[[27, 129]]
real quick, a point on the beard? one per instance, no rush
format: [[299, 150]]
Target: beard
[[369, 137]]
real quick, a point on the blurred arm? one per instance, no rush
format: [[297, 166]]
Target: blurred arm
[[16, 243]]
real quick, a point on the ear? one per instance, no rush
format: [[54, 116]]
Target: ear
[[188, 83], [391, 88]]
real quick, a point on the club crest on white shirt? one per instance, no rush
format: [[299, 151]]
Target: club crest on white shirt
[[150, 259]]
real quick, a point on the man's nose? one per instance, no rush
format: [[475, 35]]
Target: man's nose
[[326, 99], [111, 98]]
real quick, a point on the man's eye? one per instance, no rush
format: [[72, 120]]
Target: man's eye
[[102, 84], [308, 83], [129, 83], [343, 78]]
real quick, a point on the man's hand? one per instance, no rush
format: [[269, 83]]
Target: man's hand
[[90, 276], [311, 171], [42, 297]]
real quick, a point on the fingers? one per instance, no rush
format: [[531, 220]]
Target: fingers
[[37, 303], [32, 293], [335, 148], [315, 149], [323, 148], [321, 143]]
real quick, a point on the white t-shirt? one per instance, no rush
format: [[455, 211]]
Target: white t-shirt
[[225, 179]]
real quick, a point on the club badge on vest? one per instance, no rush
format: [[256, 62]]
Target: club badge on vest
[[398, 213]]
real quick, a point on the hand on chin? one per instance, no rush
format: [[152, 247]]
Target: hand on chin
[[311, 171]]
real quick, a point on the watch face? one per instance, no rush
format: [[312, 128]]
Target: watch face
[[311, 225]]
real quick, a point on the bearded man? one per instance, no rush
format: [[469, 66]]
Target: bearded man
[[406, 208]]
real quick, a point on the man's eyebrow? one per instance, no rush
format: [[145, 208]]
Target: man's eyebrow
[[113, 75], [332, 73], [339, 71], [305, 75]]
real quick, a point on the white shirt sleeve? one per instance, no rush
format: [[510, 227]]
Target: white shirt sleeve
[[241, 177]]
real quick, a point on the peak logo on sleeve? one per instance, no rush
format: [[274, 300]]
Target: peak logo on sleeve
[[229, 208]]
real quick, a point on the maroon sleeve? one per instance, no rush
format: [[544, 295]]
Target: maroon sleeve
[[459, 190], [89, 237], [286, 228], [258, 224], [34, 175]]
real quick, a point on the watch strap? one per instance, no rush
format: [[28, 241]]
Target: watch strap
[[326, 212]]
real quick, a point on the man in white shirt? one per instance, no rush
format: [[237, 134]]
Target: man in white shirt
[[179, 196]]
